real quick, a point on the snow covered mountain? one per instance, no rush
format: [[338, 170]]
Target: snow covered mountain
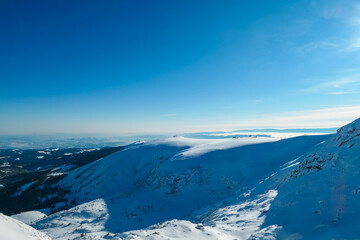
[[27, 177], [11, 229], [315, 196], [149, 183], [248, 188], [159, 181], [319, 197]]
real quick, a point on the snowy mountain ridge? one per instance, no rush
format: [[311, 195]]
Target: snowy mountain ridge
[[298, 188], [153, 182]]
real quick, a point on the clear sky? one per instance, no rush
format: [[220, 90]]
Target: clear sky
[[177, 66]]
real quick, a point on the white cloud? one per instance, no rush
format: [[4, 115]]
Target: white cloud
[[354, 45], [321, 117], [344, 85], [347, 15], [325, 44], [343, 92], [318, 118]]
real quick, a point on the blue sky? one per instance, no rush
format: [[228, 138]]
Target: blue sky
[[118, 67]]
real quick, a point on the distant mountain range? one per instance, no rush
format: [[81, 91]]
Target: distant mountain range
[[98, 141]]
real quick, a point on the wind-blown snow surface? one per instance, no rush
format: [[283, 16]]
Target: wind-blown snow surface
[[11, 229], [196, 180]]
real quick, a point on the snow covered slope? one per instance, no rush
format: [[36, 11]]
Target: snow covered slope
[[149, 183], [159, 181], [29, 217], [11, 229], [127, 170], [315, 196], [319, 197], [86, 221]]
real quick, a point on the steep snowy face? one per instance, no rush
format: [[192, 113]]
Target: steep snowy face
[[319, 197], [11, 229]]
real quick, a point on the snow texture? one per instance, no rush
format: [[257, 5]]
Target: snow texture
[[11, 229], [29, 217]]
